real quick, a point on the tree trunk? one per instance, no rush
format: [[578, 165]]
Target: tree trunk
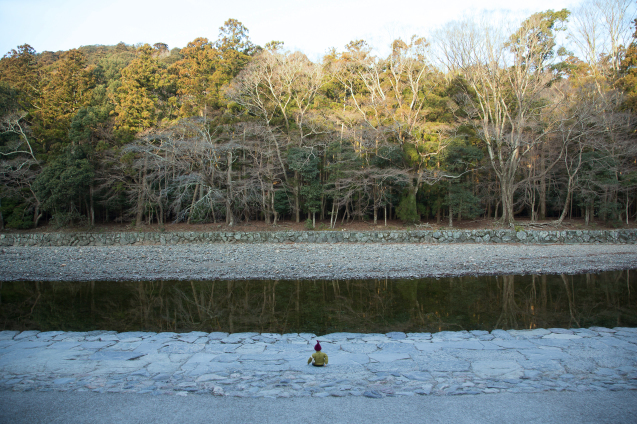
[[36, 214], [192, 204], [229, 216], [375, 213], [160, 214], [323, 203], [627, 207], [274, 212], [1, 219], [567, 201], [332, 218], [297, 200], [542, 214], [140, 197], [506, 193], [375, 191], [264, 199], [345, 212], [92, 205]]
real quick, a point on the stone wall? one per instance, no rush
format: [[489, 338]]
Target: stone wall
[[421, 236]]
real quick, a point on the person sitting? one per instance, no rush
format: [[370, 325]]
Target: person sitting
[[318, 358]]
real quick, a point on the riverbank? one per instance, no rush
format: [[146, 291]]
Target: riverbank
[[289, 261], [275, 365]]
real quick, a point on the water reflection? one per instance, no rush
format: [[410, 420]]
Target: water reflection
[[368, 306]]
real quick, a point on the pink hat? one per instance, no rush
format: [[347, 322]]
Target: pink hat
[[317, 347]]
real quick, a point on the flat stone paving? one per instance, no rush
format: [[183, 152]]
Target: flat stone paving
[[275, 365]]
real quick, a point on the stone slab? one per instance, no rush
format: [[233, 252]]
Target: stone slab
[[497, 369], [388, 357], [115, 356]]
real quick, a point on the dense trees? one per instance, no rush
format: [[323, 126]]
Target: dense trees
[[478, 121]]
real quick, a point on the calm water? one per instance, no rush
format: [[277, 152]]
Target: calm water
[[367, 306]]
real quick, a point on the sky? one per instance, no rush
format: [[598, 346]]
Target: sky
[[312, 27]]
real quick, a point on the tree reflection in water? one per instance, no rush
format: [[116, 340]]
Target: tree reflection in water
[[425, 305]]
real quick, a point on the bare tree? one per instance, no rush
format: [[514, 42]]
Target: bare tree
[[390, 98], [19, 166], [281, 86], [601, 30], [506, 94], [264, 168]]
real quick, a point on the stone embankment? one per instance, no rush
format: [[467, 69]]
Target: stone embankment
[[420, 236], [275, 365]]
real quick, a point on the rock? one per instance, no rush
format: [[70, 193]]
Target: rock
[[237, 337], [96, 345], [420, 336], [396, 335], [560, 331], [251, 348], [561, 336], [359, 347], [32, 345], [545, 354], [530, 334], [210, 377], [339, 336], [115, 356], [602, 330], [8, 335], [61, 381], [374, 394], [514, 344], [48, 335], [182, 347], [501, 334], [25, 335], [394, 347], [467, 344], [448, 366], [497, 369], [217, 336], [532, 374], [418, 376], [388, 357], [341, 358], [190, 337]]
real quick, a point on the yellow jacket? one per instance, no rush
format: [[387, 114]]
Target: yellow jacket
[[319, 358]]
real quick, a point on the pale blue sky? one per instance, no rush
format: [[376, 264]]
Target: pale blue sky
[[310, 26]]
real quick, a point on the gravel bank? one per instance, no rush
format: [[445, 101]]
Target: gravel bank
[[306, 261]]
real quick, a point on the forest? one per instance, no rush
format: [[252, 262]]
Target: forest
[[533, 120]]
